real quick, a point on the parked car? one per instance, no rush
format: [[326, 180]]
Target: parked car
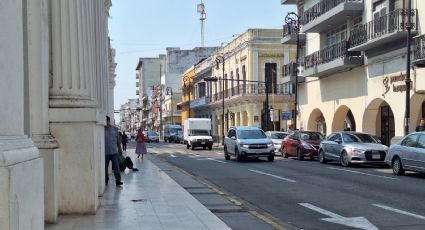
[[170, 131], [407, 154], [179, 138], [352, 148], [277, 138], [247, 142], [152, 136], [301, 144]]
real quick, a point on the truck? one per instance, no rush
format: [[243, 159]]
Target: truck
[[197, 133]]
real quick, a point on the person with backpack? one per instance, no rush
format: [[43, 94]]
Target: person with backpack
[[126, 162], [141, 144]]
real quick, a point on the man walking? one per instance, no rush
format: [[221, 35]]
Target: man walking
[[421, 126], [112, 147]]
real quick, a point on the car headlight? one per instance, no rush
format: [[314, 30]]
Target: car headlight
[[244, 145], [306, 146], [269, 144], [357, 151]]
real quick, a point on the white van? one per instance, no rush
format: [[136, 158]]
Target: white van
[[197, 133], [170, 132]]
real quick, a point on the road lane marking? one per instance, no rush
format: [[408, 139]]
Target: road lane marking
[[362, 173], [399, 211], [275, 176], [172, 155], [355, 222], [220, 161]]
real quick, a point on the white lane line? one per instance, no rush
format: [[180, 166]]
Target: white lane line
[[275, 176], [362, 173], [172, 155], [320, 210], [218, 153], [212, 159], [399, 211]]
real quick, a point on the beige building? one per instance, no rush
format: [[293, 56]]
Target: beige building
[[58, 74], [355, 66], [253, 58]]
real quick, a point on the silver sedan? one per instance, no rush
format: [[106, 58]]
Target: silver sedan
[[277, 138], [352, 148], [408, 154]]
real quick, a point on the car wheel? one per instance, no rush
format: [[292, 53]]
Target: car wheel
[[299, 156], [193, 147], [270, 158], [284, 154], [322, 158], [226, 154], [210, 147], [397, 166], [345, 162], [187, 146], [238, 157], [205, 147]]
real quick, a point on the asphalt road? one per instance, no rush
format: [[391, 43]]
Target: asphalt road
[[307, 194]]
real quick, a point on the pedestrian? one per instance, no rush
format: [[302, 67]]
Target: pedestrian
[[126, 162], [141, 144], [112, 149], [421, 126], [124, 141]]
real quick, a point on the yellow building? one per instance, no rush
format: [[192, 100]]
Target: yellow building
[[187, 93], [253, 58]]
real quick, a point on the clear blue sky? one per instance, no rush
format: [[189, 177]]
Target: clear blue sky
[[144, 28]]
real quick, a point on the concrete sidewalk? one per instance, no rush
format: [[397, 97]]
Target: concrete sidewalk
[[149, 199]]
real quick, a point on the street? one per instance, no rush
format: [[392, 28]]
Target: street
[[306, 194]]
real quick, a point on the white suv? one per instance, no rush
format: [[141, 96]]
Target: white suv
[[247, 142]]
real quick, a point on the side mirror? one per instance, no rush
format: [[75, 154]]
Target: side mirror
[[233, 138]]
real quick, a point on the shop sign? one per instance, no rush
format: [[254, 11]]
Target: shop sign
[[393, 83]]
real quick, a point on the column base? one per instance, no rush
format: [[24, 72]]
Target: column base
[[21, 180]]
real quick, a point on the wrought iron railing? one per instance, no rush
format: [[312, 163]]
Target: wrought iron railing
[[321, 8], [389, 23], [289, 69], [289, 29], [247, 90], [420, 47], [329, 54]]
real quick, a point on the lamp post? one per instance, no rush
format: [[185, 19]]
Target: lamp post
[[170, 92], [220, 59], [187, 79], [292, 20], [408, 81]]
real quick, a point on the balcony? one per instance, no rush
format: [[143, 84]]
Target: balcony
[[246, 90], [325, 13], [290, 35], [381, 31], [288, 2], [331, 60], [137, 92], [289, 73], [419, 52], [197, 102]]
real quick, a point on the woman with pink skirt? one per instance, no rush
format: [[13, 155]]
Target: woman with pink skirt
[[141, 144]]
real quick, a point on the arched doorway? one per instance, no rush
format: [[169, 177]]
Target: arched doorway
[[378, 120], [343, 120], [317, 122], [417, 110]]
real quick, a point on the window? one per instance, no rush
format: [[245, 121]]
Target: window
[[336, 35], [410, 141], [358, 137], [251, 134], [335, 137], [421, 142], [201, 89]]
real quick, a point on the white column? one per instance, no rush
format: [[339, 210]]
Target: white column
[[37, 75], [21, 168]]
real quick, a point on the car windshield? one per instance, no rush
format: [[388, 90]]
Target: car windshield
[[278, 135], [152, 134], [251, 134], [199, 132], [358, 137], [311, 136], [175, 130], [180, 132]]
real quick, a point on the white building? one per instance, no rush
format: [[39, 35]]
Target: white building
[[59, 68], [355, 66]]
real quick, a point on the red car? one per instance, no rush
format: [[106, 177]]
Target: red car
[[301, 144]]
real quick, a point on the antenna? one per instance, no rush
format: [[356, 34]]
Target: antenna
[[203, 16]]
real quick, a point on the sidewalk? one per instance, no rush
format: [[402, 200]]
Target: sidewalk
[[149, 199]]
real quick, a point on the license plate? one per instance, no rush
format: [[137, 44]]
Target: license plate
[[376, 156], [203, 143]]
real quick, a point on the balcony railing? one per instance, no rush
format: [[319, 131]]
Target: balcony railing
[[420, 50], [289, 29], [329, 54], [394, 21], [289, 69], [321, 8], [246, 90]]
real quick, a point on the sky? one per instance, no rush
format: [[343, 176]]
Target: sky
[[144, 28]]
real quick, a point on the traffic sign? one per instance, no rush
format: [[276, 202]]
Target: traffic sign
[[286, 115]]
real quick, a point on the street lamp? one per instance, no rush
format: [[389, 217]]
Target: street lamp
[[187, 79], [408, 81], [292, 20], [220, 59], [169, 91]]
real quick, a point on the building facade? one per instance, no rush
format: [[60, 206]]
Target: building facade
[[355, 72], [59, 66], [130, 116]]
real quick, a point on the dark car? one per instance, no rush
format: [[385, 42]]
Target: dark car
[[302, 144], [179, 137]]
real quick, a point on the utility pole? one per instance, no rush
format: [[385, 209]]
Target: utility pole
[[408, 81], [160, 102]]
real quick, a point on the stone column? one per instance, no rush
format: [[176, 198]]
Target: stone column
[[76, 100], [21, 168], [37, 66]]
